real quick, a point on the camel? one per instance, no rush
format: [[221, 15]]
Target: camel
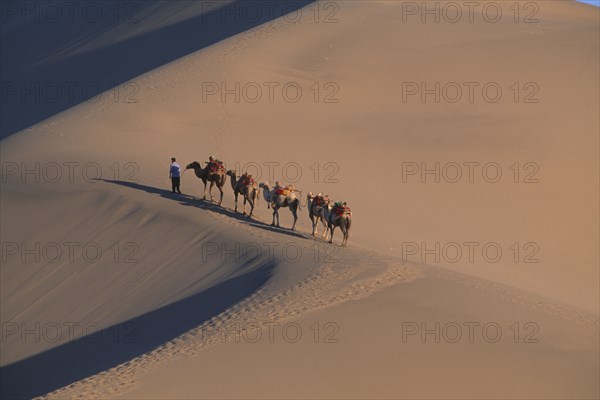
[[334, 220], [280, 200], [315, 212], [215, 178], [250, 192]]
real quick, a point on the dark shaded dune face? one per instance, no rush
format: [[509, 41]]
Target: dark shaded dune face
[[56, 55], [116, 344]]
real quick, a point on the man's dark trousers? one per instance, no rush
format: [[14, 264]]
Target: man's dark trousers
[[175, 184]]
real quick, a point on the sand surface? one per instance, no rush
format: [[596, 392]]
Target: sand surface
[[473, 209]]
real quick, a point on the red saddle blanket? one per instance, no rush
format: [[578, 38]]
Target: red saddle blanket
[[248, 182], [319, 201], [339, 210], [214, 168]]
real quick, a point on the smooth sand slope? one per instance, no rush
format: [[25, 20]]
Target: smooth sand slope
[[168, 319]]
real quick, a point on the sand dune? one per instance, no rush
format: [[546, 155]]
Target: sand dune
[[468, 206]]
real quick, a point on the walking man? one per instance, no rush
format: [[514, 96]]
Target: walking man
[[175, 175]]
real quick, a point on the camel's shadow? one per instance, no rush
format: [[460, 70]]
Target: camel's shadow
[[193, 201]]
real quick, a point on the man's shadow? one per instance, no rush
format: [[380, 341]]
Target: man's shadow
[[193, 201]]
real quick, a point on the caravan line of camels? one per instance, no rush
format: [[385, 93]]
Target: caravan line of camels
[[320, 208]]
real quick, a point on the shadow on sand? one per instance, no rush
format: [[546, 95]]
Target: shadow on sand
[[192, 201], [109, 347], [55, 56]]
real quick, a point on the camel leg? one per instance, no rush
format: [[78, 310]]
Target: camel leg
[[324, 236], [274, 213], [331, 229], [314, 226], [204, 197], [251, 207], [221, 191], [212, 183], [347, 231], [235, 196], [295, 214], [254, 202], [245, 200], [209, 191]]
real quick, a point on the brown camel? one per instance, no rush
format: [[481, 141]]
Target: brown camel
[[245, 188], [217, 178], [315, 212], [337, 216], [277, 199]]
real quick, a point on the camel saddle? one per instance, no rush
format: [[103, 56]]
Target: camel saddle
[[340, 209], [285, 191], [320, 200], [216, 167], [248, 181]]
